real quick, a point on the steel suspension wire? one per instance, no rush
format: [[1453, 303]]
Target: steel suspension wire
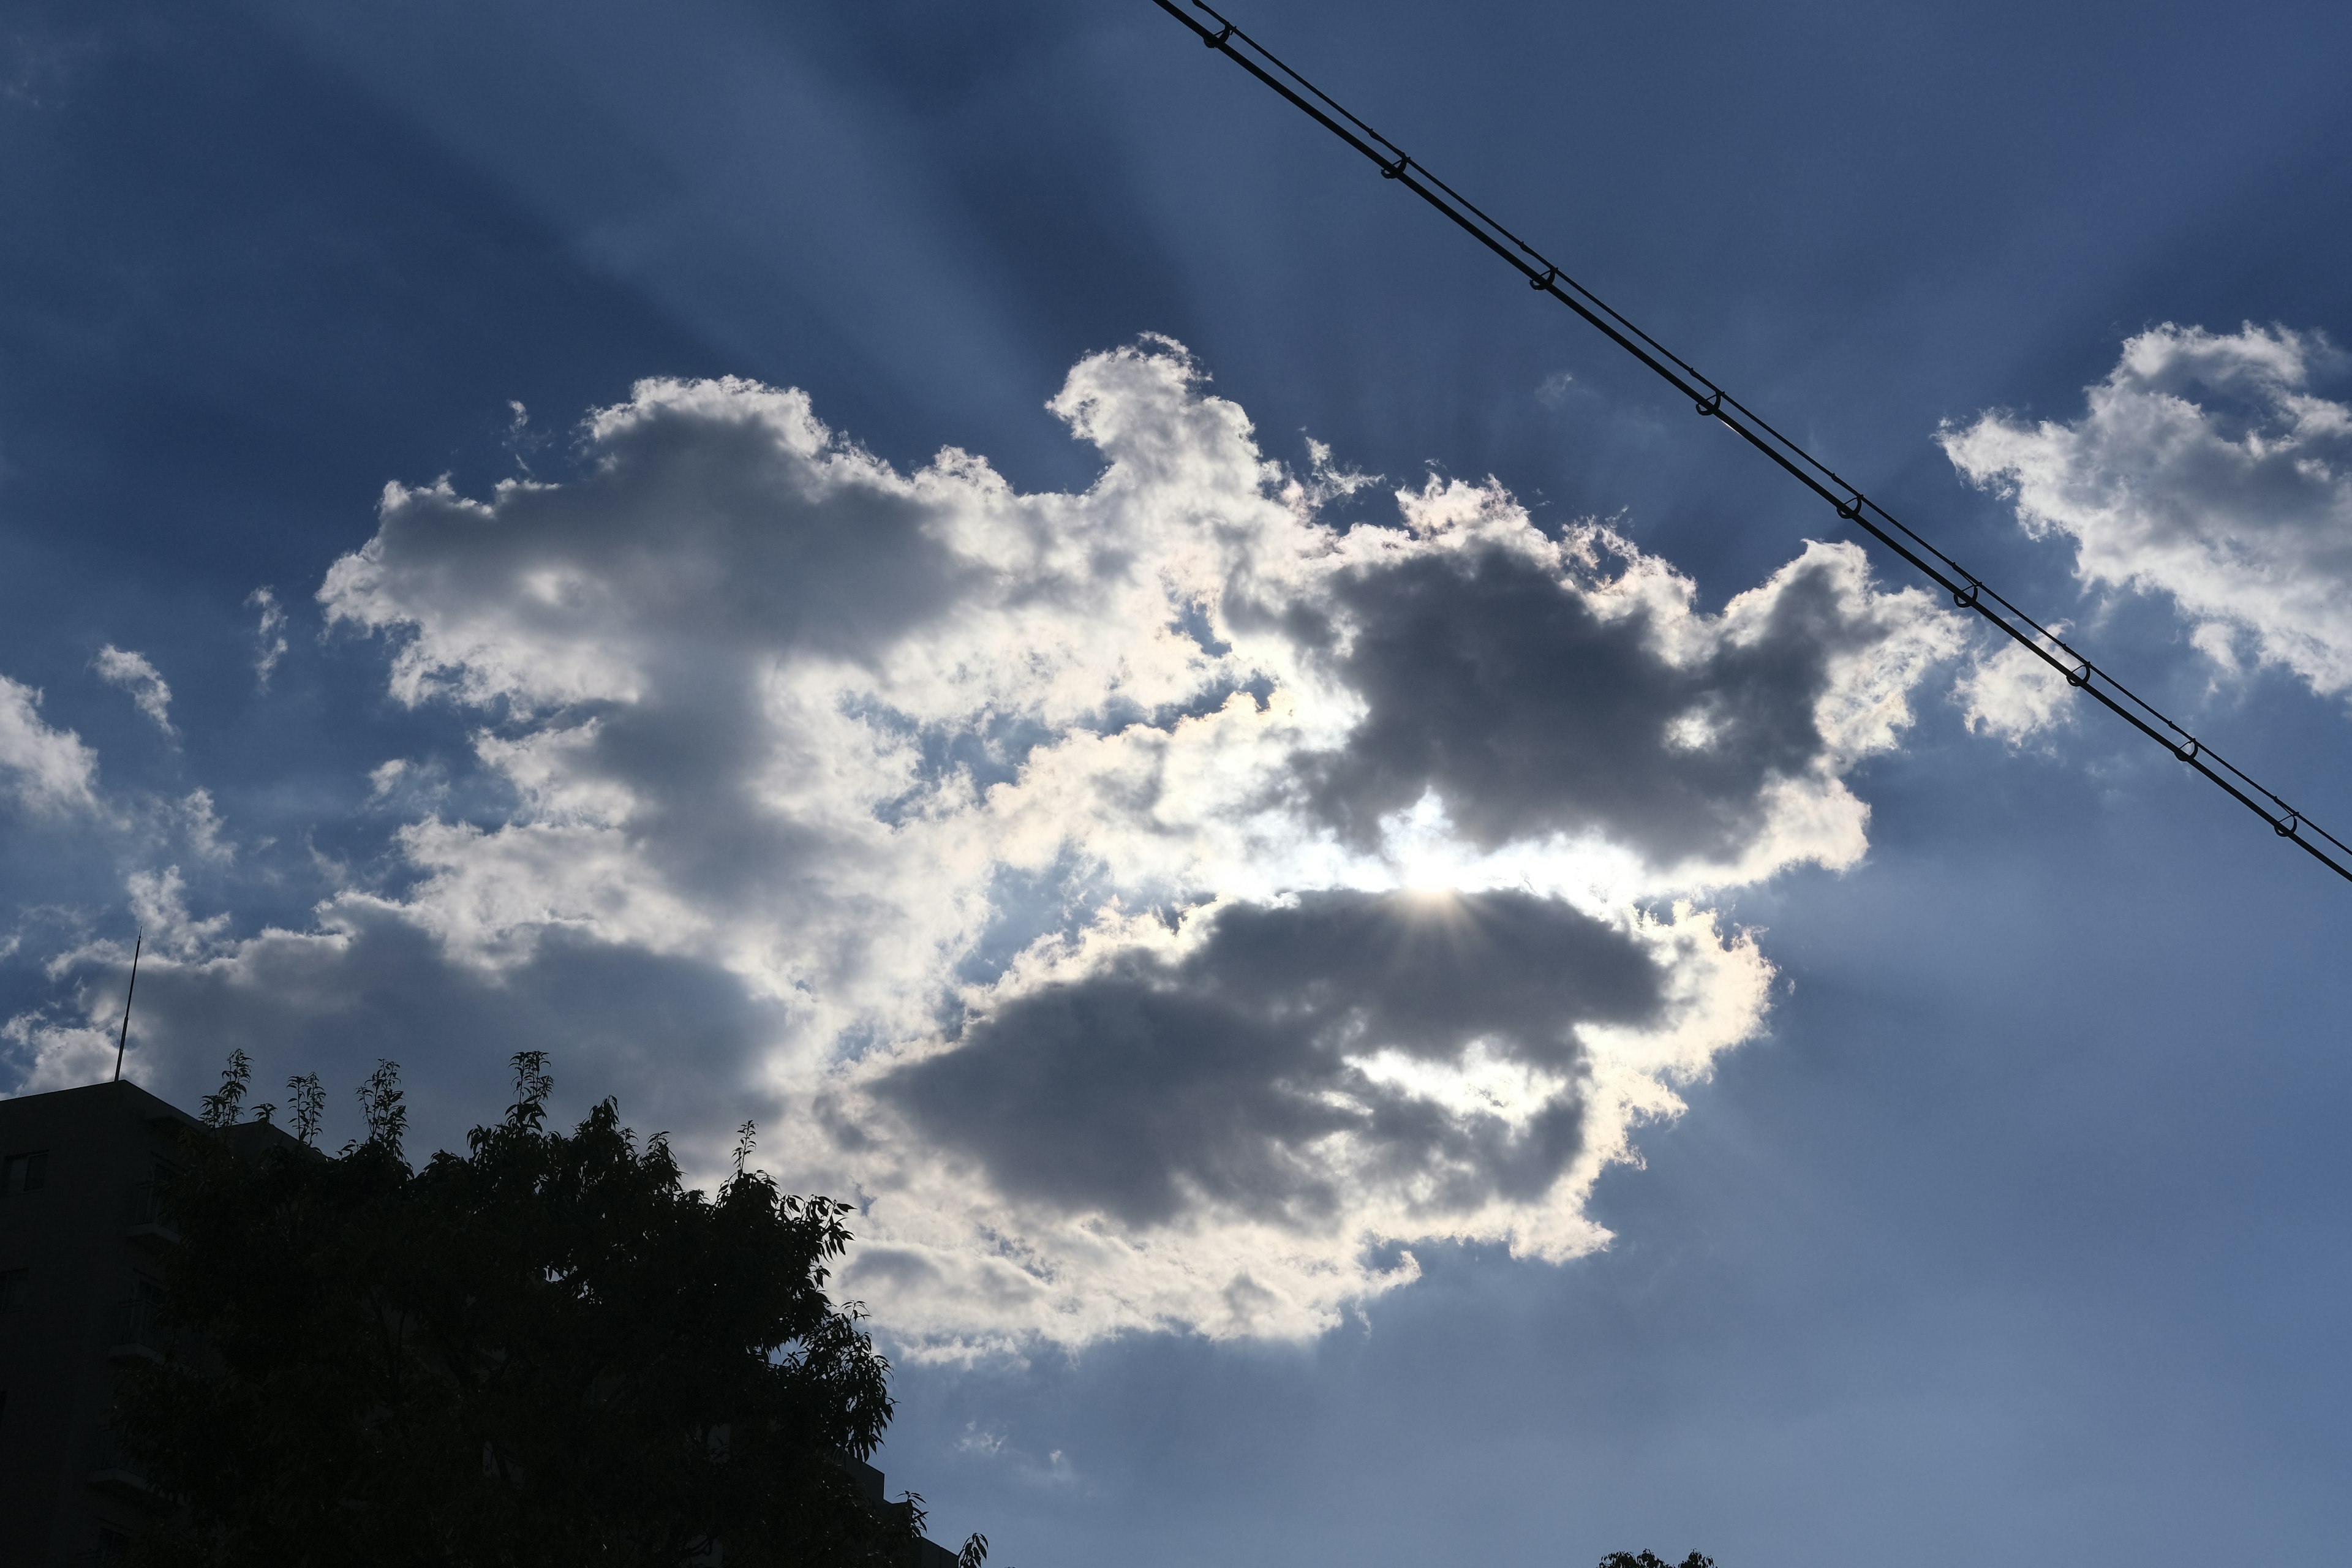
[[1968, 592]]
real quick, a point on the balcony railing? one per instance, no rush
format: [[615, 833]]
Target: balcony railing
[[135, 1331], [113, 1470], [144, 1219]]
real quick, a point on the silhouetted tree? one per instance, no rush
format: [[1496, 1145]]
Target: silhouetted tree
[[1651, 1560], [546, 1350]]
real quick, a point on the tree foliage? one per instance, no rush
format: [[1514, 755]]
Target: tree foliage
[[1651, 1560], [546, 1350]]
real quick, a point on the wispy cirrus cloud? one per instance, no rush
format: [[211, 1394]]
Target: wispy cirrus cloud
[[268, 633], [134, 673]]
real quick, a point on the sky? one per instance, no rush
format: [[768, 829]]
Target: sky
[[1408, 956]]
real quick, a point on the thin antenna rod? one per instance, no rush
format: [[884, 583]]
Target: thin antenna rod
[[132, 990]]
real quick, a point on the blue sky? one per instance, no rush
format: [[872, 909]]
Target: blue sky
[[1827, 1120]]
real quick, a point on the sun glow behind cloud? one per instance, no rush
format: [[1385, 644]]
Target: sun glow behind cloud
[[1154, 900]]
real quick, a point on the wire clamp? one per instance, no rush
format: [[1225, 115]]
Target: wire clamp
[[1550, 276], [2188, 750], [1216, 40], [1390, 171], [1710, 407], [2288, 825], [1850, 511], [2080, 675], [1966, 598]]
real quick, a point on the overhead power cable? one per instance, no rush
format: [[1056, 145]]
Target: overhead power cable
[[1969, 591]]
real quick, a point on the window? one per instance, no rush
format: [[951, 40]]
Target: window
[[138, 1319], [148, 1205], [14, 1285], [29, 1172]]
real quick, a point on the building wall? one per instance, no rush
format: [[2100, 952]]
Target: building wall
[[924, 1552], [88, 1245]]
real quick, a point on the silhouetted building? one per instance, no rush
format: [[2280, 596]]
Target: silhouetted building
[[81, 1243], [927, 1553]]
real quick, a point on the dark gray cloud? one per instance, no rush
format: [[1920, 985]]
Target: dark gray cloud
[[1533, 706], [669, 1036], [1155, 1084], [784, 760], [716, 517]]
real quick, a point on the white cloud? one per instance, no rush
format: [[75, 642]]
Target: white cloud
[[2008, 692], [986, 1443], [159, 901], [135, 675], [1160, 901], [62, 1055], [43, 768], [268, 635], [2205, 467], [201, 828]]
